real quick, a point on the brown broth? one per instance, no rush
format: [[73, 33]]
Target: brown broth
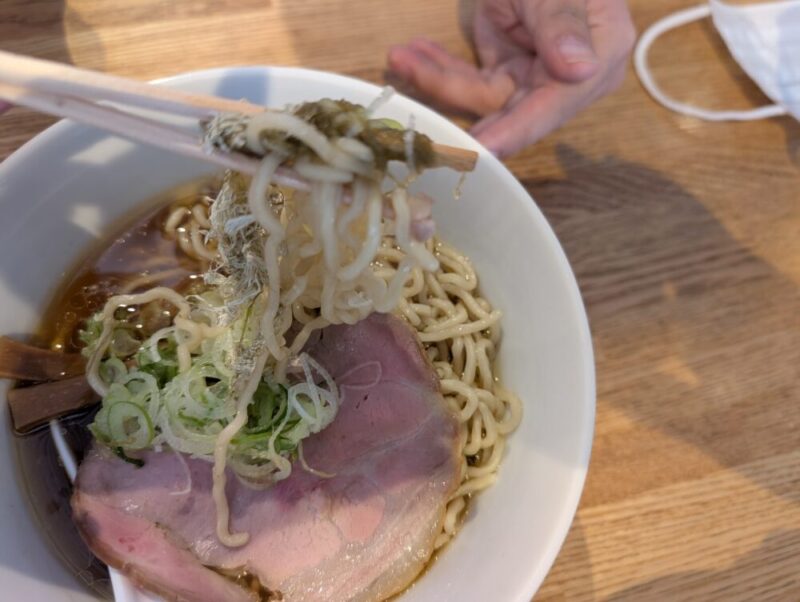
[[140, 249], [136, 248]]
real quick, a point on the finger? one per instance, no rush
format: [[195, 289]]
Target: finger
[[499, 33], [563, 38], [534, 116], [440, 56], [4, 106], [613, 32], [463, 89], [533, 113]]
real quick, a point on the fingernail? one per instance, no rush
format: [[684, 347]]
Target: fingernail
[[576, 50]]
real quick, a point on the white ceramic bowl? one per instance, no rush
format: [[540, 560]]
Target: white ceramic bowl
[[59, 192]]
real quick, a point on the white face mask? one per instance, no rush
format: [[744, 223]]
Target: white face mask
[[763, 38]]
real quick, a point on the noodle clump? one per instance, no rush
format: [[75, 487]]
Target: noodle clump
[[225, 378]]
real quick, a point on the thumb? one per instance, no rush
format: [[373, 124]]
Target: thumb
[[562, 38]]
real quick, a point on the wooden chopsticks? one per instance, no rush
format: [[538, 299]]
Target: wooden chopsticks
[[67, 91], [66, 80], [127, 125]]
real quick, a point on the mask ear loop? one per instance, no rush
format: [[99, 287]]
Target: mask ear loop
[[664, 25]]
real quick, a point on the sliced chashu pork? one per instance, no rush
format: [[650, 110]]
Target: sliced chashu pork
[[363, 534]]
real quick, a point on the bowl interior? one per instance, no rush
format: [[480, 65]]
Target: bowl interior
[[59, 193]]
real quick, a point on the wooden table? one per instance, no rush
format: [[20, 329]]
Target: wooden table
[[684, 238]]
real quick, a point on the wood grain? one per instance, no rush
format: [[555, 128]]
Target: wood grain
[[684, 239]]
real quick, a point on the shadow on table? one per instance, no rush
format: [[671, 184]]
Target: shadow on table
[[777, 551], [654, 265]]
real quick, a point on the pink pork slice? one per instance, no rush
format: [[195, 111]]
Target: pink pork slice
[[363, 534]]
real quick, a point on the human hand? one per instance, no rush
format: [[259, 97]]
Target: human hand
[[4, 106], [541, 62]]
